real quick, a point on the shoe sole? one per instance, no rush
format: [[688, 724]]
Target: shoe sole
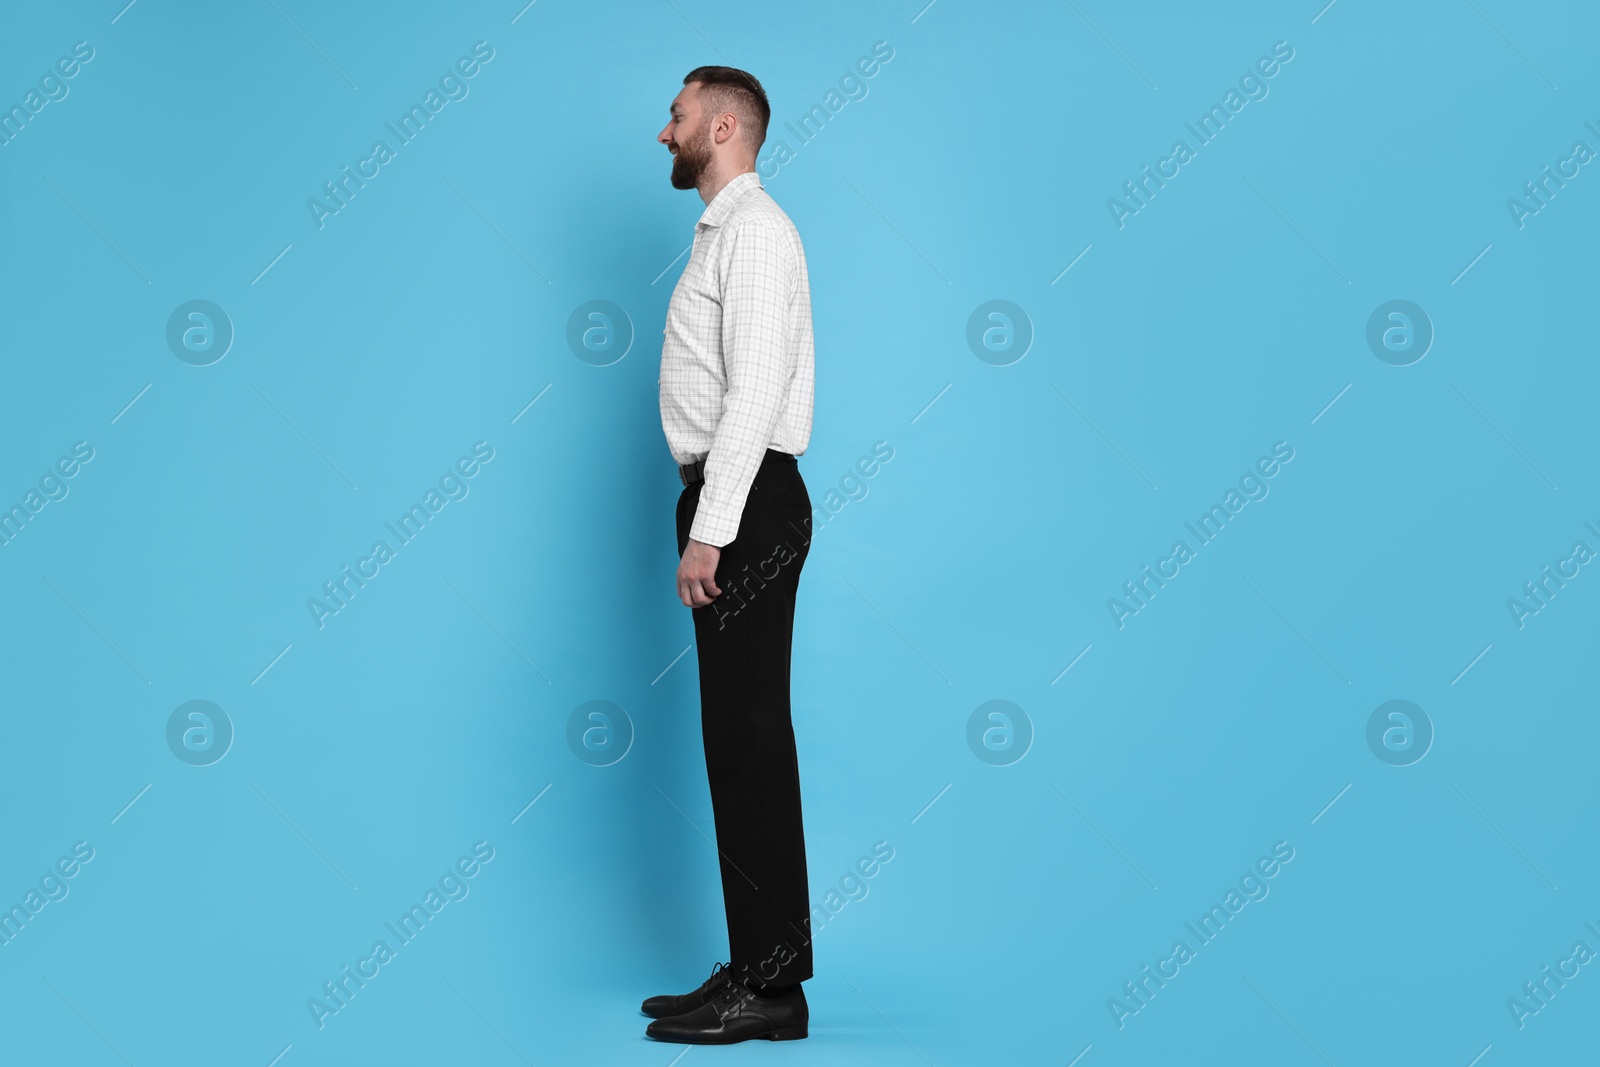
[[786, 1033]]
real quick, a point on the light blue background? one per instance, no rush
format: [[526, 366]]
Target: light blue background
[[1229, 714]]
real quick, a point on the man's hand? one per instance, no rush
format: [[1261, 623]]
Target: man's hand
[[697, 574]]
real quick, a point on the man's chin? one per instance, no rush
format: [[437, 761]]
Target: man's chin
[[682, 178]]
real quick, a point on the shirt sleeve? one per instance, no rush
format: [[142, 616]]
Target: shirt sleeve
[[759, 277]]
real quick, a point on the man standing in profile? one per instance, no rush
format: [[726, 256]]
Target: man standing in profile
[[737, 382]]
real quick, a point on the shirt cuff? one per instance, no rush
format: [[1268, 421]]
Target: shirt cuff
[[712, 529]]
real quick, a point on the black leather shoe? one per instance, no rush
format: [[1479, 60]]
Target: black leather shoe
[[668, 1005], [736, 1014]]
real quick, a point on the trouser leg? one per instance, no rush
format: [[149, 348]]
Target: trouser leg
[[743, 641]]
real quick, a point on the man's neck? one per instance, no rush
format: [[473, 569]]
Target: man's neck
[[709, 189]]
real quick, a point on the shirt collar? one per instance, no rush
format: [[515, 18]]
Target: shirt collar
[[727, 197]]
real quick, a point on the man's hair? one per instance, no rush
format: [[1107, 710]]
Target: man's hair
[[725, 89]]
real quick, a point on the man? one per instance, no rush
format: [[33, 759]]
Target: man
[[737, 381]]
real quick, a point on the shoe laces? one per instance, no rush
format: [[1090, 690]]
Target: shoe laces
[[721, 973]]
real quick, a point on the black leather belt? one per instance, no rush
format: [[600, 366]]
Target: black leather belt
[[693, 473]]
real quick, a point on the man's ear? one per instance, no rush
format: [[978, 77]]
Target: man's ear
[[727, 127]]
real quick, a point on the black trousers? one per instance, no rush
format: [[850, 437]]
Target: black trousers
[[743, 639]]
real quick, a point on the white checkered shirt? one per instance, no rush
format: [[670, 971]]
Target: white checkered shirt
[[738, 369]]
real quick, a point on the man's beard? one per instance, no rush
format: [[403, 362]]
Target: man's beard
[[690, 161]]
